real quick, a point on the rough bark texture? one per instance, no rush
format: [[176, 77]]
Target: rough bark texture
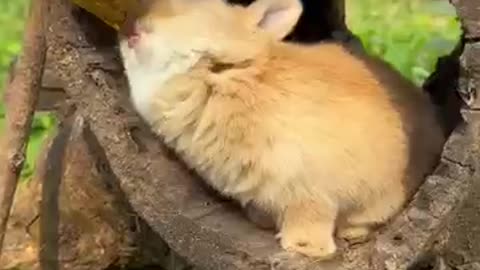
[[20, 99], [85, 220], [459, 243], [52, 94], [211, 233], [74, 209]]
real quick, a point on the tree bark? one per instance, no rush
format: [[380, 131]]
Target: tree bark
[[21, 97], [459, 242], [85, 221]]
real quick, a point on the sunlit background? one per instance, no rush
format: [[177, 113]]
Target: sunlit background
[[410, 34]]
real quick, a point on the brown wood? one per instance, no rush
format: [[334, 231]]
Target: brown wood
[[20, 99], [468, 10], [85, 221]]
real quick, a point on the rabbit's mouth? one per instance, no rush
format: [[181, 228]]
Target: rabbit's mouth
[[133, 41]]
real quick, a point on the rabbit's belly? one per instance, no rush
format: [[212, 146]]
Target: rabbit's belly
[[224, 171], [230, 180]]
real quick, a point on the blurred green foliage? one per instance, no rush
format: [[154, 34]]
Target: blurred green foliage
[[410, 34], [12, 17], [11, 24]]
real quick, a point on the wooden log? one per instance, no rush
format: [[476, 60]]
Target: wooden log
[[468, 10], [81, 219], [51, 93], [458, 245]]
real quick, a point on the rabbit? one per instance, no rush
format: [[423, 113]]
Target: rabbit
[[331, 144]]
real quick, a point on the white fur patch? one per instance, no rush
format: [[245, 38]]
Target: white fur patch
[[147, 75]]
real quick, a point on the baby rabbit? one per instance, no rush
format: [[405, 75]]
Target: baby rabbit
[[325, 141]]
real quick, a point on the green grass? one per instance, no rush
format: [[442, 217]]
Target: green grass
[[410, 34]]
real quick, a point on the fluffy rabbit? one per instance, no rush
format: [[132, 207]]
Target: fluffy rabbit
[[325, 141]]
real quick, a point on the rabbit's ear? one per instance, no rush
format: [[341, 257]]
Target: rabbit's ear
[[278, 17]]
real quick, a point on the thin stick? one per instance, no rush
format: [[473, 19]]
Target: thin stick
[[20, 99]]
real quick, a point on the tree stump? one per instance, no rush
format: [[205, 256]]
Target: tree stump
[[209, 232]]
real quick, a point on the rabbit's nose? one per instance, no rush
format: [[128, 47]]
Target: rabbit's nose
[[129, 26], [130, 30]]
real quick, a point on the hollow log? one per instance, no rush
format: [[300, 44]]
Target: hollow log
[[74, 214], [209, 232]]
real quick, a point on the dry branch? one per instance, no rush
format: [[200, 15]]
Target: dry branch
[[49, 209], [21, 97]]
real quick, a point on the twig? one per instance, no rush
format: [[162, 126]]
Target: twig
[[51, 176], [30, 223], [21, 97]]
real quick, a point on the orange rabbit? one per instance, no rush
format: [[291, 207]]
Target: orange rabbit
[[325, 141]]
